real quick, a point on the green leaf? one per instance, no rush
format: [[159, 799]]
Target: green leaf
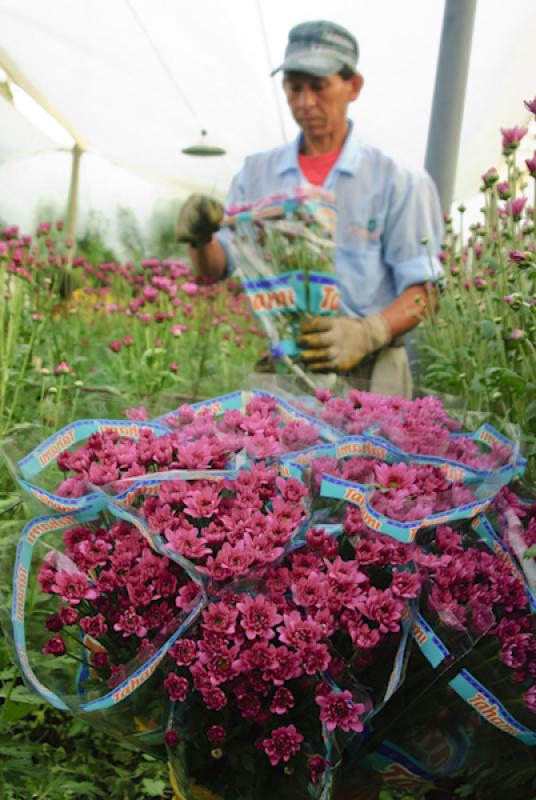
[[531, 552], [530, 411], [487, 328], [21, 694], [155, 787], [476, 384], [11, 712]]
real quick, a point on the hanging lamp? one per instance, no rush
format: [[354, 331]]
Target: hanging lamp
[[203, 147]]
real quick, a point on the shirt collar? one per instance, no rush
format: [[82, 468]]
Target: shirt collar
[[346, 163]]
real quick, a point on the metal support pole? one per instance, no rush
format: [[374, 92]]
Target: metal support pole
[[72, 211], [449, 95]]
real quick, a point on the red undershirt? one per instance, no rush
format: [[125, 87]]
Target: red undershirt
[[317, 168]]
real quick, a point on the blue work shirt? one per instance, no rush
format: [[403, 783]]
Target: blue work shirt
[[384, 211]]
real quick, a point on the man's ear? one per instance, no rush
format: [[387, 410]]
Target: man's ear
[[357, 82]]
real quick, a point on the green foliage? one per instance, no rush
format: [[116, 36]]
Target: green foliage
[[48, 755], [90, 243], [162, 237], [130, 234], [481, 344]]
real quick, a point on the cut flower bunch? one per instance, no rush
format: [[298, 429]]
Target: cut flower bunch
[[285, 256], [207, 595]]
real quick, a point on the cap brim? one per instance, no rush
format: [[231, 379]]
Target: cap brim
[[311, 64]]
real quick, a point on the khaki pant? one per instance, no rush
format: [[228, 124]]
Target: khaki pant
[[386, 372]]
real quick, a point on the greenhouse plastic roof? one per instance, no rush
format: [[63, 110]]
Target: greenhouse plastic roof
[[136, 80]]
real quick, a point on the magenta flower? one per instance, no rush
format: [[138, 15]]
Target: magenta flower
[[186, 541], [516, 335], [55, 646], [130, 623], [396, 476], [220, 618], [490, 177], [283, 744], [190, 288], [73, 587], [68, 615], [338, 710], [311, 590], [137, 413], [317, 766], [215, 698], [382, 607], [216, 734], [259, 617], [298, 632], [531, 165], [62, 368], [503, 188], [283, 701], [405, 584], [514, 208], [530, 696], [511, 138], [315, 658], [183, 652], [171, 738], [94, 626], [177, 687], [203, 502], [150, 293], [517, 650], [54, 623], [72, 487], [99, 660], [362, 635], [531, 105]]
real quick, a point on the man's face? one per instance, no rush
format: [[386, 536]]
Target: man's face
[[319, 105]]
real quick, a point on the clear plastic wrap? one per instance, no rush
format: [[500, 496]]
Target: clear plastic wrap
[[277, 621], [285, 247]]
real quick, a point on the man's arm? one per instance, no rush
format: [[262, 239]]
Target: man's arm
[[209, 259], [409, 308]]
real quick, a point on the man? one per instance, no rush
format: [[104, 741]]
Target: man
[[389, 222]]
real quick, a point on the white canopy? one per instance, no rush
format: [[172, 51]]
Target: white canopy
[[135, 81]]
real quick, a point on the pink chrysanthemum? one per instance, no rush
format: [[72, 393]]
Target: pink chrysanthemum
[[338, 710], [259, 616], [283, 744]]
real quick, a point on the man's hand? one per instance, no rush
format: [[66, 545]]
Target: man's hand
[[340, 343], [199, 218]]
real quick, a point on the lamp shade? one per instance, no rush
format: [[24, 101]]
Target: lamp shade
[[203, 147]]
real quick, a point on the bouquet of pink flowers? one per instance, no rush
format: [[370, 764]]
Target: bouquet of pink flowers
[[259, 598], [285, 254]]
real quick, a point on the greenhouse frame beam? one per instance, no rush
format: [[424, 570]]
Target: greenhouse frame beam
[[446, 117], [17, 77], [15, 74]]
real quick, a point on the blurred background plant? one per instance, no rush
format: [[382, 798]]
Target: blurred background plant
[[480, 348]]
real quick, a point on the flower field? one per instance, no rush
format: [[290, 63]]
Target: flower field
[[266, 597]]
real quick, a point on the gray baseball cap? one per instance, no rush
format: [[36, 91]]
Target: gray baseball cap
[[319, 48]]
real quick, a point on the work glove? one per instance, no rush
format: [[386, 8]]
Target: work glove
[[199, 218], [338, 344]]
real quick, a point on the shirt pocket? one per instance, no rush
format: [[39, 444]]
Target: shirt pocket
[[362, 272]]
